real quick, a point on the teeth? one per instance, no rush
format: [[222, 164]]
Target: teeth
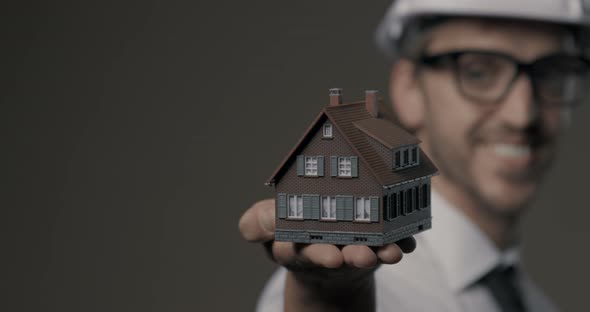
[[511, 150]]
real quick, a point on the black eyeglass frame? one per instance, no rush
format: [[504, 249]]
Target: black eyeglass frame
[[529, 68]]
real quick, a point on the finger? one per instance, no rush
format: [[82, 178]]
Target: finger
[[390, 254], [407, 245], [258, 222], [325, 255], [359, 256], [284, 253]]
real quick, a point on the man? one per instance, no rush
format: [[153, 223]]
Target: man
[[488, 87]]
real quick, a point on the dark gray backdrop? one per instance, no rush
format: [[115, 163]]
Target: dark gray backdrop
[[138, 132]]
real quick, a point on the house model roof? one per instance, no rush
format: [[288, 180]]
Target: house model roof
[[354, 122]]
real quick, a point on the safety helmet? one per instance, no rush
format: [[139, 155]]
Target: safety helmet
[[575, 13]]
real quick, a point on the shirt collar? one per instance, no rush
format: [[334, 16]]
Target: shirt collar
[[464, 252]]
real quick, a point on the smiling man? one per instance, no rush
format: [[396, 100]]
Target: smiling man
[[488, 86], [489, 98]]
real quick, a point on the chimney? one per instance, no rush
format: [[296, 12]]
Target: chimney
[[335, 96], [372, 103]]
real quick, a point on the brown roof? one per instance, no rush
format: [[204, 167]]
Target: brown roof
[[386, 132], [355, 123], [300, 144]]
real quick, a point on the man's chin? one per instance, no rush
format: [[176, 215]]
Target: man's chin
[[510, 201]]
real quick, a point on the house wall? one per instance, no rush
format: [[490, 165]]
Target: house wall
[[362, 186], [417, 215]]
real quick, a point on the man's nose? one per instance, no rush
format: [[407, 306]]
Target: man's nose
[[520, 108]]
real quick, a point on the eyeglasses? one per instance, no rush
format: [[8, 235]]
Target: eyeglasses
[[487, 77]]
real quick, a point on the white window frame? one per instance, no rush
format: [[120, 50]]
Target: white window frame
[[328, 131], [311, 166], [297, 211], [417, 155], [362, 209], [402, 159], [344, 166], [328, 211]]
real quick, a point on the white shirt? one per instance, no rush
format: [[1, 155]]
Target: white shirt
[[440, 274]]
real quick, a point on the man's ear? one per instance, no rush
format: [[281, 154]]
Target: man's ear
[[406, 96]]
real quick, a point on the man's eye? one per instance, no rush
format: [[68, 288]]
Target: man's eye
[[481, 69], [477, 73]]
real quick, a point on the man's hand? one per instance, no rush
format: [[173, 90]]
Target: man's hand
[[322, 276]]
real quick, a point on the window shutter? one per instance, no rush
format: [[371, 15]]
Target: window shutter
[[282, 206], [315, 207], [320, 166], [354, 166], [385, 210], [334, 166], [300, 165], [339, 208], [374, 209], [348, 208], [306, 207], [392, 206]]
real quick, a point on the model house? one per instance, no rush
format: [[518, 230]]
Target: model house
[[352, 178]]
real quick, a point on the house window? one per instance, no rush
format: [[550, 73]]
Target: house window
[[425, 201], [327, 130], [386, 207], [406, 157], [394, 210], [344, 167], [410, 199], [363, 209], [295, 209], [417, 197], [311, 166], [402, 203], [329, 208]]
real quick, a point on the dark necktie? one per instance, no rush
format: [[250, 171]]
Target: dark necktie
[[502, 284]]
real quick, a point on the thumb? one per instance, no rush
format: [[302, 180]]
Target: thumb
[[258, 222]]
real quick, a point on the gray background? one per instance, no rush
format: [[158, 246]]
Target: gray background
[[137, 132]]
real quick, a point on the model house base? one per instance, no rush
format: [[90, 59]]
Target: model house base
[[353, 238]]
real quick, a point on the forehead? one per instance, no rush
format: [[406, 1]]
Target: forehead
[[522, 39]]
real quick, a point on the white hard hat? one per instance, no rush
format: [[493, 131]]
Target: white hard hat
[[389, 32]]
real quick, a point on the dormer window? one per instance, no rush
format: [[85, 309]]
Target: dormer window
[[407, 156], [327, 133]]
